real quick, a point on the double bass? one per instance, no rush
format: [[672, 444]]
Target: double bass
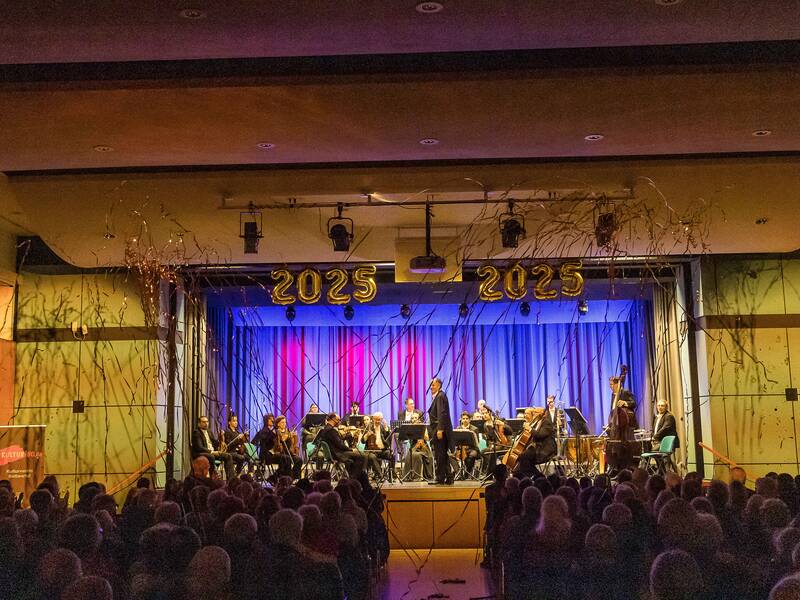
[[620, 419]]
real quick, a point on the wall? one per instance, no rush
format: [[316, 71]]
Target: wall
[[115, 371], [750, 353]]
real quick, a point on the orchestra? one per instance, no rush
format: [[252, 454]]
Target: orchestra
[[429, 453]]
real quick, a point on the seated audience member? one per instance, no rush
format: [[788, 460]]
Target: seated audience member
[[90, 587], [675, 576]]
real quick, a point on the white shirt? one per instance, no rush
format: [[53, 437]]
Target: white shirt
[[408, 415], [658, 422], [208, 439]]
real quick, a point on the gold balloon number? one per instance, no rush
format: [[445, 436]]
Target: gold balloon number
[[364, 282], [487, 291], [309, 285], [515, 281], [338, 279]]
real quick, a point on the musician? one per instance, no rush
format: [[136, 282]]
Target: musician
[[663, 425], [308, 433], [467, 454], [441, 432], [235, 440], [203, 444], [286, 446], [492, 429], [377, 441], [339, 450], [542, 444], [419, 458], [480, 411], [266, 440], [410, 411], [621, 399], [355, 411]]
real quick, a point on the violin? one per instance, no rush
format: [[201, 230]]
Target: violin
[[286, 441]]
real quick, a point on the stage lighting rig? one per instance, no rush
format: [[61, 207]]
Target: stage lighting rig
[[291, 313], [339, 232], [405, 311], [349, 312], [463, 310], [583, 306], [251, 229], [430, 263], [512, 227], [606, 224], [525, 309]]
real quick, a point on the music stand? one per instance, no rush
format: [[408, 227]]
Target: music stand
[[516, 425], [355, 420], [477, 424], [411, 432], [521, 411], [464, 437], [314, 420], [577, 423]]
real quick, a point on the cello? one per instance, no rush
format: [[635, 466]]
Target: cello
[[512, 456]]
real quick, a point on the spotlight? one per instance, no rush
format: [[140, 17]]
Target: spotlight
[[430, 263], [250, 229], [583, 306], [512, 227], [605, 224], [405, 311], [349, 312], [339, 232], [463, 310], [525, 309], [291, 313]]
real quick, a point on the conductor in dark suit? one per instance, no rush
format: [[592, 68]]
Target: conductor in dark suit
[[663, 424], [441, 432], [203, 445]]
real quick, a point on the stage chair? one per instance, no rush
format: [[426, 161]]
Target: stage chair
[[661, 458], [263, 471], [336, 468]]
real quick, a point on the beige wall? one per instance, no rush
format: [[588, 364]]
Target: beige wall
[[747, 364], [124, 423]]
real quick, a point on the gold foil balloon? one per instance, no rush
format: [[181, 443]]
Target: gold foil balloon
[[571, 278], [284, 280], [487, 291], [364, 281], [516, 282], [542, 289], [309, 286], [338, 279]]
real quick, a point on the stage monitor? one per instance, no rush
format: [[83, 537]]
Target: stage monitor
[[577, 422]]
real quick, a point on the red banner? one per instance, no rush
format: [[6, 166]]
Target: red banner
[[22, 456]]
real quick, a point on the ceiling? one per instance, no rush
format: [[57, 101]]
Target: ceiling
[[134, 105]]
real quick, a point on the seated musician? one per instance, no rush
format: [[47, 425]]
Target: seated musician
[[541, 445], [340, 452], [355, 411], [410, 411], [465, 453], [480, 411], [235, 441], [308, 432], [286, 446], [419, 458], [203, 444], [377, 441], [663, 425], [265, 441], [494, 431]]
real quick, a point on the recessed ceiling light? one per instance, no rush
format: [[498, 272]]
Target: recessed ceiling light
[[265, 145], [103, 148], [761, 220], [429, 141], [429, 8], [762, 132], [668, 2], [594, 137], [193, 14]]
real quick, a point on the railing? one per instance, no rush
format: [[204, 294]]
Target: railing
[[725, 459], [136, 474]]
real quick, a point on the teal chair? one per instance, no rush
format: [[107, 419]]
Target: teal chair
[[657, 461], [322, 452]]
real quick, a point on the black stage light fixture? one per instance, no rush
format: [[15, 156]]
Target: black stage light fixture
[[250, 229], [512, 227], [339, 232], [430, 262], [463, 310], [349, 312], [291, 313], [525, 309], [605, 224], [583, 306], [405, 311]]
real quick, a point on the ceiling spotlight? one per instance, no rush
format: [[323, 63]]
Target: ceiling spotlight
[[193, 14], [291, 313], [405, 311], [525, 309], [265, 145], [110, 236], [668, 2], [583, 306], [605, 224], [512, 227], [103, 148], [761, 220], [463, 310], [762, 132], [430, 262], [339, 232], [429, 8], [429, 141], [250, 229], [594, 137], [349, 312]]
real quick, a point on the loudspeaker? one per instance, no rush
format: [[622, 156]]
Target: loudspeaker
[[791, 394], [78, 406]]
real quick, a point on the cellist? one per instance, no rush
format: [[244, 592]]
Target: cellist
[[542, 444]]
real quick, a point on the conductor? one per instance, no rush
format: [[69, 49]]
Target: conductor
[[441, 432]]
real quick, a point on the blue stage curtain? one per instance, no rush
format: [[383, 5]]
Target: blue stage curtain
[[283, 369]]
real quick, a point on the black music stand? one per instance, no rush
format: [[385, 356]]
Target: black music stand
[[477, 424], [354, 420], [516, 425], [464, 437], [411, 432], [578, 425], [314, 420]]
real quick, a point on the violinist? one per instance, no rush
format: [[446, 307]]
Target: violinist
[[266, 441], [377, 441], [621, 400], [286, 446], [234, 442], [497, 434], [339, 449], [419, 458], [465, 453], [308, 433], [355, 411], [542, 444]]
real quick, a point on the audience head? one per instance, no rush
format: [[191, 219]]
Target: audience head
[[531, 501], [89, 587], [618, 517], [208, 573], [286, 528], [601, 545], [787, 588], [738, 474], [79, 533], [675, 575], [41, 501], [774, 514], [168, 512], [57, 570], [240, 530]]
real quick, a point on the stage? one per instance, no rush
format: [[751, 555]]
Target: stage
[[423, 516]]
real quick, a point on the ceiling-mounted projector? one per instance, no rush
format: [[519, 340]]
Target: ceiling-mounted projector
[[430, 262]]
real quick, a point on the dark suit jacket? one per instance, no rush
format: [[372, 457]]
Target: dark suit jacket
[[331, 437], [630, 406], [419, 413], [543, 439], [665, 428], [264, 441], [199, 443], [439, 418]]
